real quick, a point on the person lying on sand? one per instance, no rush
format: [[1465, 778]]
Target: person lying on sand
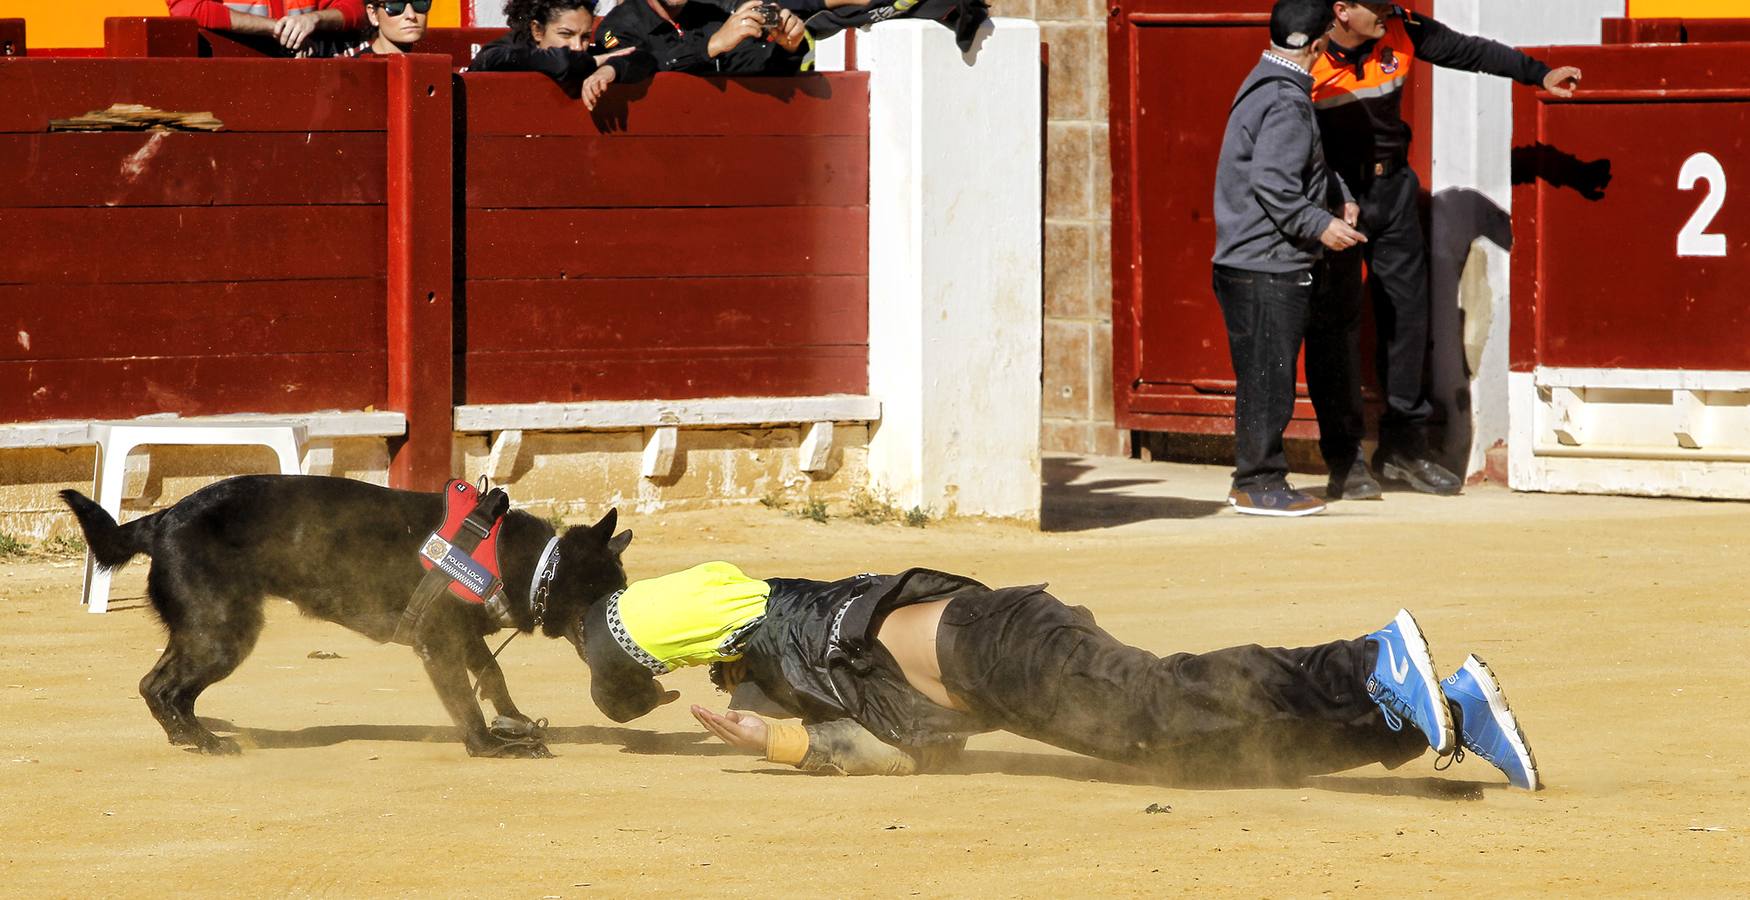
[[890, 674]]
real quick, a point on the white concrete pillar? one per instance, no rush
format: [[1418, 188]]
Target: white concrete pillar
[[1472, 200], [955, 282]]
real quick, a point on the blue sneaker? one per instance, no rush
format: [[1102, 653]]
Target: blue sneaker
[[1486, 725], [1404, 685]]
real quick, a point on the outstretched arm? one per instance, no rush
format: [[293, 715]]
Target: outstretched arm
[[1442, 46], [841, 746]]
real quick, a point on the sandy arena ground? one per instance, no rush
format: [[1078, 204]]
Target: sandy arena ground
[[1617, 625]]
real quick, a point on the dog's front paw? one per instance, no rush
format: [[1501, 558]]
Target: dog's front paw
[[213, 745], [518, 728], [526, 748]]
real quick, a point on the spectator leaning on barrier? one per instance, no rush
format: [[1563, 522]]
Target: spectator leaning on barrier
[[553, 37], [1273, 200], [1358, 92], [290, 23], [701, 37]]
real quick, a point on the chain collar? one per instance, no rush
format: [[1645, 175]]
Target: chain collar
[[542, 583]]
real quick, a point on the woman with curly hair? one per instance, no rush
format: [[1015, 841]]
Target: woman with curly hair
[[553, 37]]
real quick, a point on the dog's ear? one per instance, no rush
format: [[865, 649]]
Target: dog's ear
[[605, 527], [620, 542]]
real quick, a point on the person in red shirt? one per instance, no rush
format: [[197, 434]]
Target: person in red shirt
[[290, 23]]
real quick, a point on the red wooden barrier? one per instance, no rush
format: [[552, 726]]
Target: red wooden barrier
[[693, 238], [1174, 67], [12, 37], [1675, 31], [237, 271], [1666, 125]]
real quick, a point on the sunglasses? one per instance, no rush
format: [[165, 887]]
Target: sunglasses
[[397, 7]]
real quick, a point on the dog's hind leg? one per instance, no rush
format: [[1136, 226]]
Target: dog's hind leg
[[211, 631]]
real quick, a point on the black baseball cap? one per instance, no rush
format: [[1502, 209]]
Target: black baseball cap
[[1294, 24]]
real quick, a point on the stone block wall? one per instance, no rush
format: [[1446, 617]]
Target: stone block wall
[[1077, 413]]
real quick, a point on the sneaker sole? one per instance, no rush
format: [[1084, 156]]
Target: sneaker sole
[[1278, 513], [1423, 660], [1392, 472], [1504, 718]]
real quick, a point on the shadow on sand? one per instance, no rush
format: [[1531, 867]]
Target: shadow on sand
[[1071, 506]]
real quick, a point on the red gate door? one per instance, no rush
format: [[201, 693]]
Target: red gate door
[[1629, 366], [1175, 65]]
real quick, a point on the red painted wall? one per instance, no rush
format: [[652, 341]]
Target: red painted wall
[[1622, 275], [693, 238]]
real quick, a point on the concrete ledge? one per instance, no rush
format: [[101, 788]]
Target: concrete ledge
[[329, 424], [622, 414]]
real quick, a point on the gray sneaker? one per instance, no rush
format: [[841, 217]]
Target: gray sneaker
[[1274, 500]]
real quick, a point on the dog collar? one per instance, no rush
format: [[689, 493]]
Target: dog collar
[[542, 582]]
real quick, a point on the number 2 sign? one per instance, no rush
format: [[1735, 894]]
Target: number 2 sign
[[1694, 239]]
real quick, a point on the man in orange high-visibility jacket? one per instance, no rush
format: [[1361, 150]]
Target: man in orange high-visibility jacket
[[1357, 91], [289, 22]]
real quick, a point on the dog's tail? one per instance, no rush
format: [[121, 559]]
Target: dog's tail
[[110, 543]]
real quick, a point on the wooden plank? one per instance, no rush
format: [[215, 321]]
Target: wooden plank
[[459, 44], [420, 268], [707, 412], [580, 243], [47, 322], [12, 37], [155, 36], [721, 170], [670, 104], [246, 94], [187, 169], [190, 243], [190, 386], [592, 314], [560, 377]]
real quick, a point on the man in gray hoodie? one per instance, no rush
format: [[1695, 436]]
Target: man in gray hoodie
[[1273, 219]]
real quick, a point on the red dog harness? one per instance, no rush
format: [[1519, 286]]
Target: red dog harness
[[473, 571], [461, 557]]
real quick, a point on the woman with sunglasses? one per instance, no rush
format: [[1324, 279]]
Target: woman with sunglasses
[[396, 25], [290, 24], [553, 37]]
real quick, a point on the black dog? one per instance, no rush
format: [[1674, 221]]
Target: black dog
[[347, 552]]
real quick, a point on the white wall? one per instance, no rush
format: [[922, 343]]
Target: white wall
[[1473, 131], [955, 281]]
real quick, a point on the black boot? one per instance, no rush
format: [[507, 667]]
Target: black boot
[[1406, 457], [1352, 481]]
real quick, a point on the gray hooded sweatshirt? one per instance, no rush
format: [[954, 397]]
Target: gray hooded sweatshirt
[[1273, 191]]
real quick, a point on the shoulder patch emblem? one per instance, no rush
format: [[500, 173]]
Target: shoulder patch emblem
[[1388, 61], [609, 40]]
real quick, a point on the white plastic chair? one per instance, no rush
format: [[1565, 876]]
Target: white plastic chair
[[116, 439]]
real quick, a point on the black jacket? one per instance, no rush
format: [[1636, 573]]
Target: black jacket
[[814, 654], [517, 53], [1357, 135], [682, 46]]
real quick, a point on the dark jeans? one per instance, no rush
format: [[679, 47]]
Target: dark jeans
[[1397, 263], [1266, 315], [1029, 664]]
